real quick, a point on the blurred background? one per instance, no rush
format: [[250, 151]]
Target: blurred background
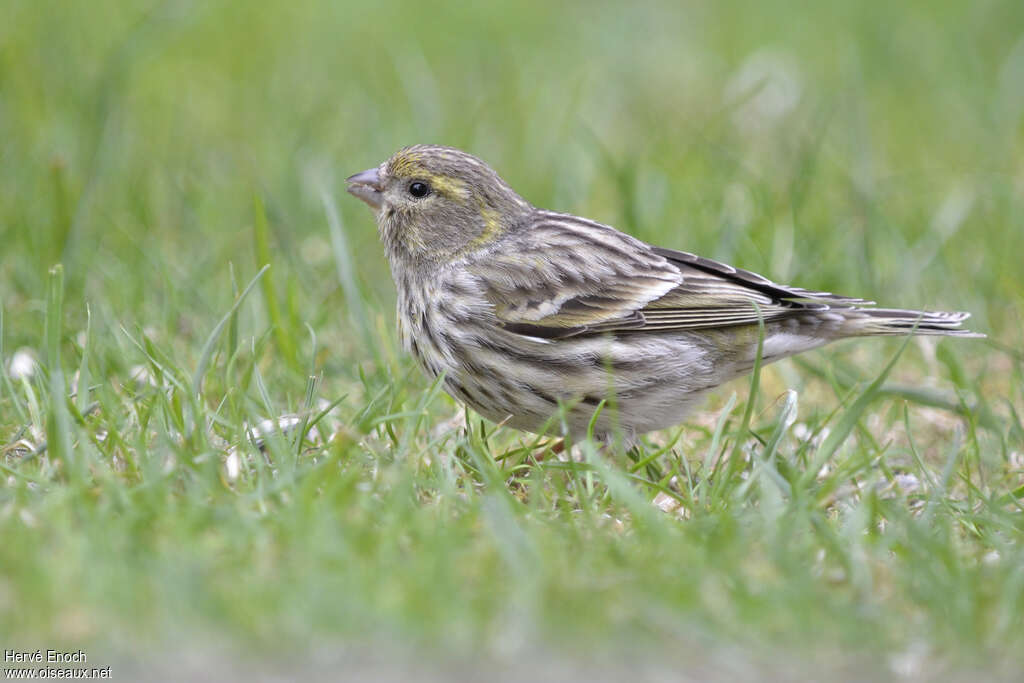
[[871, 148], [165, 151]]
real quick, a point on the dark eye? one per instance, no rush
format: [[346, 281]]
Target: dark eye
[[418, 189]]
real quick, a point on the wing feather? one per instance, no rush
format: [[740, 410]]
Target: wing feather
[[570, 277], [564, 277]]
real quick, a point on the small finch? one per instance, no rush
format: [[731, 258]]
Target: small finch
[[524, 310]]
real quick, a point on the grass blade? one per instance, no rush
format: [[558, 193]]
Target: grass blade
[[84, 377], [346, 269], [261, 233], [849, 419], [211, 341], [58, 424]]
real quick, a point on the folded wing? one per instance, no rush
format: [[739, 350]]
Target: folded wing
[[572, 277]]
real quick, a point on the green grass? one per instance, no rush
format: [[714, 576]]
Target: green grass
[[842, 517]]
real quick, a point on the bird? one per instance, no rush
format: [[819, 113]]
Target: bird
[[532, 317]]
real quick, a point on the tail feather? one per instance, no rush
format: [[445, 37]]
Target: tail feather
[[894, 321]]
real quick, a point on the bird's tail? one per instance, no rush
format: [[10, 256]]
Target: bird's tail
[[869, 322]]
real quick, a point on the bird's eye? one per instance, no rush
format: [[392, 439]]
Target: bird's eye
[[418, 189]]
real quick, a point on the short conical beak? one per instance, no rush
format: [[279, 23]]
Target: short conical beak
[[368, 187]]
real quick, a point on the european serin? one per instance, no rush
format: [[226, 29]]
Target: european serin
[[523, 309]]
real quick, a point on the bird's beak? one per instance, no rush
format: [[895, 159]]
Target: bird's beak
[[368, 187]]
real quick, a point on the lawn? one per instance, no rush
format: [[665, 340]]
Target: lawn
[[181, 270]]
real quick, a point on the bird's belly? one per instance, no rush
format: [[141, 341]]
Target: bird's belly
[[640, 382]]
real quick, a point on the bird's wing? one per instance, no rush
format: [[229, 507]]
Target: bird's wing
[[566, 277], [570, 277], [715, 294]]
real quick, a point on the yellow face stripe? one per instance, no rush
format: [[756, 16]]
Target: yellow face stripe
[[492, 227], [449, 187], [407, 164], [410, 165]]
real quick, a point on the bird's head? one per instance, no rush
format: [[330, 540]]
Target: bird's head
[[434, 204]]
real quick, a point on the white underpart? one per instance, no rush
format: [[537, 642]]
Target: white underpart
[[787, 343]]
